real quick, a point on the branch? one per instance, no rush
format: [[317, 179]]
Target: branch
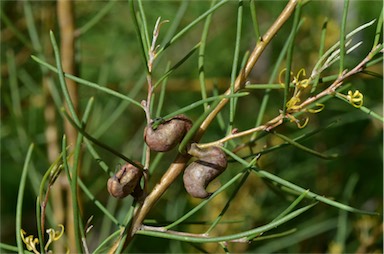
[[303, 106], [339, 81], [177, 167]]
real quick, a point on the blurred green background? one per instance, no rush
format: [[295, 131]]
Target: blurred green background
[[109, 54]]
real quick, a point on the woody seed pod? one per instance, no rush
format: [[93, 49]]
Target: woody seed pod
[[211, 163], [126, 181], [168, 134]]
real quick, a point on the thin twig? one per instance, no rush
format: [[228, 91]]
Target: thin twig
[[147, 104], [265, 127]]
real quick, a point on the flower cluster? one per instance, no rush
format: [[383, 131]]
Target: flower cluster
[[31, 242], [293, 104], [299, 86]]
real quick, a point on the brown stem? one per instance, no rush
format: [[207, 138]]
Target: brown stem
[[177, 167], [67, 28], [268, 126], [51, 134]]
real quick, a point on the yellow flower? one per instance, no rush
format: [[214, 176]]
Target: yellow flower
[[356, 98], [319, 108], [292, 103], [53, 235], [29, 241], [299, 86], [297, 121], [301, 83], [281, 74], [301, 126]]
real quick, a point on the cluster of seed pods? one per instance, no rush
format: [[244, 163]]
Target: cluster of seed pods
[[210, 162]]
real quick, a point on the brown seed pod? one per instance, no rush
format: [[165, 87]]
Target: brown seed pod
[[211, 163], [168, 134], [126, 181]]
